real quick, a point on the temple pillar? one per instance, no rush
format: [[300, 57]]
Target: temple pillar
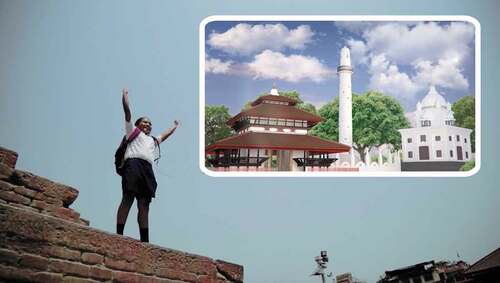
[[284, 160]]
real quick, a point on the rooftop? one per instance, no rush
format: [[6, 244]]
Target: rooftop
[[433, 99], [277, 111], [273, 97], [490, 261], [275, 141], [412, 269]]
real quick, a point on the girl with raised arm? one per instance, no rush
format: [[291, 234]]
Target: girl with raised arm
[[138, 180]]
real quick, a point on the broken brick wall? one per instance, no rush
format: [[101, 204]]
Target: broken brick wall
[[43, 240]]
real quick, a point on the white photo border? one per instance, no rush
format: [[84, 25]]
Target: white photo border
[[319, 18]]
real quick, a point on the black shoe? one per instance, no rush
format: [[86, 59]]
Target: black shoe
[[119, 229], [144, 234]]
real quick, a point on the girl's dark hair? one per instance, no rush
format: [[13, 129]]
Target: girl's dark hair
[[139, 121]]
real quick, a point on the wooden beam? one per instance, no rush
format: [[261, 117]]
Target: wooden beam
[[248, 157], [257, 163], [305, 161]]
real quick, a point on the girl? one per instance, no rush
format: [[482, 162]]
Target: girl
[[138, 180]]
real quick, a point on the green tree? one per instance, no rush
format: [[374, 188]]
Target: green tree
[[291, 94], [464, 111], [308, 107], [216, 128], [376, 119], [469, 165], [328, 129]]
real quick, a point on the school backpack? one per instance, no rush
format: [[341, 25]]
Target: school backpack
[[120, 151]]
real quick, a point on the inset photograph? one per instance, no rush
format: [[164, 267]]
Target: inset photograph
[[339, 96]]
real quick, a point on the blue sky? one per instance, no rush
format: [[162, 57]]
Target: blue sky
[[62, 67], [401, 59]]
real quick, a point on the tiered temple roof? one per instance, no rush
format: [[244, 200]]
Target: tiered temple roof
[[278, 142], [273, 122], [277, 111], [278, 98]]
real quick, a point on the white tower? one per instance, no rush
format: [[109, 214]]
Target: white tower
[[274, 90], [345, 98]]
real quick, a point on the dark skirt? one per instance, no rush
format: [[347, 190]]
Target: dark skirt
[[138, 178]]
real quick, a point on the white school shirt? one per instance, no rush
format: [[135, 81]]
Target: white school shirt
[[143, 146]]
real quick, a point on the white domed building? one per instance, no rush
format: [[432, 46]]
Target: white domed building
[[435, 143]]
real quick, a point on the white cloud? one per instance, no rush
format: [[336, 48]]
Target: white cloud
[[216, 66], [394, 82], [445, 73], [246, 39], [378, 64], [293, 68], [429, 54], [358, 51], [273, 65], [387, 78], [406, 44]]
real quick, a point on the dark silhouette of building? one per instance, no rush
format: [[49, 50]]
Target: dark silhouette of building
[[418, 273], [485, 270], [347, 278], [428, 272]]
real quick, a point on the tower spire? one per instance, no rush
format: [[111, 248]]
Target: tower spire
[[274, 90], [345, 97]]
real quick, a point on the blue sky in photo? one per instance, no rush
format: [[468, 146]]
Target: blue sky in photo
[[451, 64]]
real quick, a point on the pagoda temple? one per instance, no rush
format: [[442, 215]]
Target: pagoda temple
[[272, 135]]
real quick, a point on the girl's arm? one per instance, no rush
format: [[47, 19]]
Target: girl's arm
[[126, 108], [168, 132]]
